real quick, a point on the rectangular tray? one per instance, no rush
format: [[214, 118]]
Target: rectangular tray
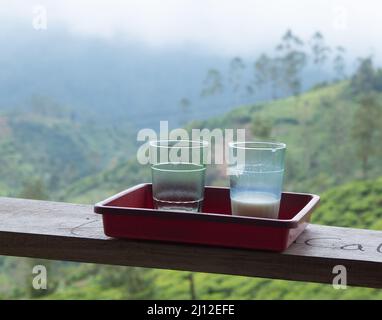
[[130, 215]]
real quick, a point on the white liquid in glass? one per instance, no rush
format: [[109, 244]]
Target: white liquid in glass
[[255, 204]]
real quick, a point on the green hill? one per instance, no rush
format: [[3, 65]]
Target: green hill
[[55, 149], [356, 204], [96, 187]]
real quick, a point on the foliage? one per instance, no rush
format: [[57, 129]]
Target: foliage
[[339, 64], [282, 71], [34, 189], [367, 130], [359, 202], [261, 128], [294, 60], [319, 49], [46, 143], [212, 83]]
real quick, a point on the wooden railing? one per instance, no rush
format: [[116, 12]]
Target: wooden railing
[[62, 231]]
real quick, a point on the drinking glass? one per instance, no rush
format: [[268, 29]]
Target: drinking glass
[[178, 173], [256, 172]]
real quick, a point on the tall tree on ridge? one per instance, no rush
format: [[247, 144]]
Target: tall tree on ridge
[[275, 73], [363, 80], [236, 69], [339, 63], [262, 68], [293, 61], [184, 105], [213, 83], [320, 51]]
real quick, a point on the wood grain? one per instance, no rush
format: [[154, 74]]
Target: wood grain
[[63, 231]]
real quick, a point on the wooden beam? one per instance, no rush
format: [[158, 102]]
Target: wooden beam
[[62, 231]]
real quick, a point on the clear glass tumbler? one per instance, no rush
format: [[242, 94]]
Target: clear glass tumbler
[[256, 172], [178, 173]]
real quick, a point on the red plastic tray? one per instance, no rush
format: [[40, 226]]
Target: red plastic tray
[[130, 214]]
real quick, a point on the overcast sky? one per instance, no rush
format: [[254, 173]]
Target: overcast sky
[[225, 27]]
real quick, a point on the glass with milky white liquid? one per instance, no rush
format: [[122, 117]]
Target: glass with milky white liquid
[[256, 171], [178, 170]]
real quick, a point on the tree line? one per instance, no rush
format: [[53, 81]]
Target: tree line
[[278, 73]]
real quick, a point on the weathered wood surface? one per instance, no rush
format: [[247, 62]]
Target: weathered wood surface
[[62, 231]]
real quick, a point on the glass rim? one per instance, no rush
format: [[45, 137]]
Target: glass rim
[[258, 145], [199, 144], [202, 168]]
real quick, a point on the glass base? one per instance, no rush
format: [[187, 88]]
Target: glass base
[[192, 206]]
